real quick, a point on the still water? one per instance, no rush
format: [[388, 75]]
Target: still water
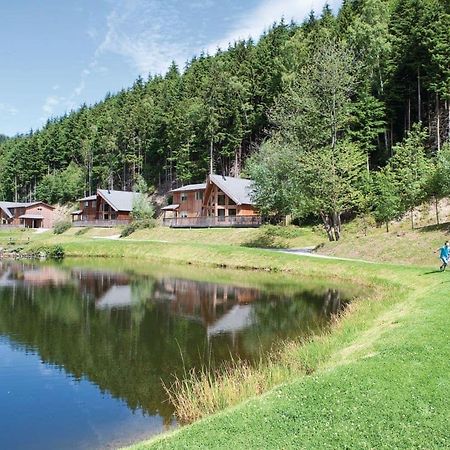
[[84, 349]]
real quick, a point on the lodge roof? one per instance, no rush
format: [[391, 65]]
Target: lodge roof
[[238, 189], [119, 200], [190, 187], [87, 199]]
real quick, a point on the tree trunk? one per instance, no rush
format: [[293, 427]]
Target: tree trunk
[[332, 225], [387, 226], [409, 114], [419, 97], [448, 119], [412, 219], [438, 122], [211, 148], [436, 207]]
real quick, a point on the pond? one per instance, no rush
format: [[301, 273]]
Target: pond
[[86, 346]]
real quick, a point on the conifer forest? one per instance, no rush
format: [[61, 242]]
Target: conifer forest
[[344, 113]]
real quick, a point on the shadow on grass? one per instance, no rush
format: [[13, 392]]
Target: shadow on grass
[[433, 271], [441, 227]]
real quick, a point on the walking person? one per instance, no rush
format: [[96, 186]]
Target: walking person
[[443, 256]]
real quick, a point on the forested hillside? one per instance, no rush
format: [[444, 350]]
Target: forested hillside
[[394, 72]]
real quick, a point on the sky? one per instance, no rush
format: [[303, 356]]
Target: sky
[[56, 55]]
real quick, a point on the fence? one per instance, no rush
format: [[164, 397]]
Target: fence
[[11, 227], [215, 222]]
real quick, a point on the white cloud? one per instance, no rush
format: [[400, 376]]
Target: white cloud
[[51, 102], [149, 34], [255, 22], [8, 109]]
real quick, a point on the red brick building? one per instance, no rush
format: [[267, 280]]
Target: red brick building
[[29, 215]]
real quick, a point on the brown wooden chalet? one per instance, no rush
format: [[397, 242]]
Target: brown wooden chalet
[[220, 202], [28, 215], [106, 208]]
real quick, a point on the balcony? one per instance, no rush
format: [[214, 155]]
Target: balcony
[[214, 222]]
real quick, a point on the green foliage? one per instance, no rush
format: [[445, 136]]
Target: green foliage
[[82, 231], [386, 201], [61, 227], [411, 168], [47, 251], [137, 225], [142, 208], [62, 186], [310, 166]]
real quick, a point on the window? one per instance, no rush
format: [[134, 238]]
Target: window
[[231, 202], [221, 200], [86, 204], [183, 214], [232, 212], [221, 214], [183, 196], [199, 195]]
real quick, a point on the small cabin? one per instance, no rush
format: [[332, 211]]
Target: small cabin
[[106, 208], [28, 215]]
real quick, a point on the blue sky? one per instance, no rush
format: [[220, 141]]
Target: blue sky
[[57, 54]]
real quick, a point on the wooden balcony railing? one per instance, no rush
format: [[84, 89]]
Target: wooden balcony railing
[[213, 222], [100, 223]]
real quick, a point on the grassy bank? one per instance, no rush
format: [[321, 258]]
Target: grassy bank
[[379, 380]]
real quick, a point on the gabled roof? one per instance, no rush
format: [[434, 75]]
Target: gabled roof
[[119, 200], [170, 207], [87, 199], [238, 189], [190, 187]]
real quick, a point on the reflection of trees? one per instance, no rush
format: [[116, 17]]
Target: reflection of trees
[[104, 346], [128, 349]]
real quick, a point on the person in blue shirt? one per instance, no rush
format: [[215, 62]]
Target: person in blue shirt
[[443, 255]]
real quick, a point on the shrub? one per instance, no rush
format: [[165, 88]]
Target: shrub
[[82, 231], [137, 225], [61, 227], [48, 251]]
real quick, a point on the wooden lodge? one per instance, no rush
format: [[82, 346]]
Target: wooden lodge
[[107, 208], [28, 215], [220, 202]]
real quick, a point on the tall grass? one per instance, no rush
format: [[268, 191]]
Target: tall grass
[[203, 392]]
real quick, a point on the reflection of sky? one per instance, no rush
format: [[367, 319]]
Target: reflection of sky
[[41, 407]]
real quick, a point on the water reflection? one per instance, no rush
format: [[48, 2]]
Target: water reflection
[[125, 333]]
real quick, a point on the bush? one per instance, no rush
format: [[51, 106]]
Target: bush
[[137, 225], [82, 231], [61, 227], [48, 251]]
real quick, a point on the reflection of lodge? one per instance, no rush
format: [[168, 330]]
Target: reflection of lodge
[[108, 289], [220, 308], [14, 273]]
